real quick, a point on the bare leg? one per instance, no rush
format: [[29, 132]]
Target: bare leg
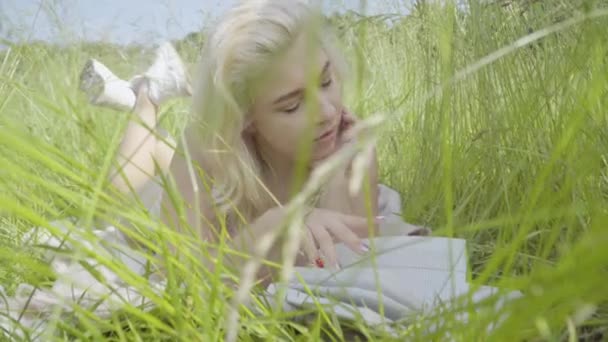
[[143, 152], [163, 154], [141, 148]]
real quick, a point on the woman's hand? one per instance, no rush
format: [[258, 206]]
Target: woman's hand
[[327, 227], [346, 133], [347, 136], [323, 229], [336, 195]]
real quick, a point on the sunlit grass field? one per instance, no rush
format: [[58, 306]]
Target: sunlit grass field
[[497, 132]]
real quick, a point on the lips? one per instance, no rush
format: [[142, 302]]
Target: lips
[[326, 134]]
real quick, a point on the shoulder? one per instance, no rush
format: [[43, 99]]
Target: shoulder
[[189, 198]]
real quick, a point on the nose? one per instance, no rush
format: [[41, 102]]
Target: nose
[[327, 110]]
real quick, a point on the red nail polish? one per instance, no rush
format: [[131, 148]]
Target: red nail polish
[[319, 262]]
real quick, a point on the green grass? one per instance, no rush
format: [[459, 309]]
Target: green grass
[[512, 156]]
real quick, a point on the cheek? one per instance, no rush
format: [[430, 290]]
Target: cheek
[[283, 133], [335, 91], [333, 97]]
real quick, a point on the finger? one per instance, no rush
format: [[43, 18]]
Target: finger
[[346, 137], [310, 247], [346, 133], [348, 118], [344, 234], [326, 244], [347, 121], [360, 225]]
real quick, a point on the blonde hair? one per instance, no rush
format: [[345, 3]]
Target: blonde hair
[[239, 51]]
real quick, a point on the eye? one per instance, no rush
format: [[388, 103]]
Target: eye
[[326, 83], [292, 108]]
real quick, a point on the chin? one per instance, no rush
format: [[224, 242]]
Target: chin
[[322, 155]]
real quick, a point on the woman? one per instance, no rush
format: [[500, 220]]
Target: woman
[[270, 83]]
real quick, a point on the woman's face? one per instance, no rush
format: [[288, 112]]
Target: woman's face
[[285, 116]]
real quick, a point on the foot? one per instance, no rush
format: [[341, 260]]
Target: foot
[[103, 88], [167, 75], [167, 79]]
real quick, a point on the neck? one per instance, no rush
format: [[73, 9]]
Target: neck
[[279, 172]]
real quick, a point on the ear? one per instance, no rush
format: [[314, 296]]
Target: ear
[[247, 134]]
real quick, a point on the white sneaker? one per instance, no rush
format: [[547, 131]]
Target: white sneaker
[[103, 88], [167, 75], [167, 79]]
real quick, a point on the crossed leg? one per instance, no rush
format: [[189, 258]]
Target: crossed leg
[[143, 151]]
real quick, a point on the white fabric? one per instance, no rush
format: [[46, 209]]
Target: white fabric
[[409, 275], [75, 283], [415, 274]]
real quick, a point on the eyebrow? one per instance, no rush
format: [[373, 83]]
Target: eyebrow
[[299, 91]]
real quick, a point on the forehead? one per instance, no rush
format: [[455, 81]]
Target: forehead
[[291, 70]]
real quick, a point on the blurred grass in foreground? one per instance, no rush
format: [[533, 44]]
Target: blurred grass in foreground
[[513, 157]]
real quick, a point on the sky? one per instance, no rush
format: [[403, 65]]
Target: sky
[[125, 21]]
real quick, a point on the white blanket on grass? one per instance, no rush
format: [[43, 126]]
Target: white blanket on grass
[[412, 274], [407, 275]]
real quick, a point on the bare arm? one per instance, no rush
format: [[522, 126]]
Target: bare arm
[[338, 196], [363, 203], [188, 191], [361, 200]]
